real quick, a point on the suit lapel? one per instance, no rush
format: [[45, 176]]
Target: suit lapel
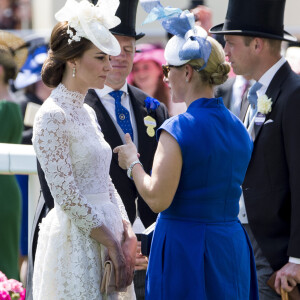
[[145, 141], [273, 92], [108, 128]]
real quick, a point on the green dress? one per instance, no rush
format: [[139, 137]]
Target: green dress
[[11, 126]]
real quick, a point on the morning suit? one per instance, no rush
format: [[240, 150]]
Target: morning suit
[[271, 187]]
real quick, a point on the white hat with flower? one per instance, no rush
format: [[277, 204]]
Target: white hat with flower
[[92, 22]]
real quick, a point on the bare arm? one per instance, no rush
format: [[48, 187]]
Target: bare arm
[[157, 190]]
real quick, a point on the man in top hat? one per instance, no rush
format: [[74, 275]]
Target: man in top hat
[[136, 118], [270, 203]]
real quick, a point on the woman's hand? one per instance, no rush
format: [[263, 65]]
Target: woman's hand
[[116, 255], [129, 247], [127, 153], [141, 260]]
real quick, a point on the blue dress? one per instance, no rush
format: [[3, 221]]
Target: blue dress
[[200, 251]]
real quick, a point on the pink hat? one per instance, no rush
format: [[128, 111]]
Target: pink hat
[[146, 52], [149, 52]]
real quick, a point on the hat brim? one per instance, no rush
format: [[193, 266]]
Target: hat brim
[[218, 29], [9, 40], [156, 55], [136, 36], [23, 80]]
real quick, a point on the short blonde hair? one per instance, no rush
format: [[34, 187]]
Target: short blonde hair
[[217, 69]]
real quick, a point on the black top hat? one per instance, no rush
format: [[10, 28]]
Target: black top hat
[[127, 13], [259, 18]]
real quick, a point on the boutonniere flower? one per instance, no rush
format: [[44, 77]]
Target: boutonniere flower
[[151, 105], [264, 104]]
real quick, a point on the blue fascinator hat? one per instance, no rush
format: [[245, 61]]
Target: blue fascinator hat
[[30, 73], [189, 41]]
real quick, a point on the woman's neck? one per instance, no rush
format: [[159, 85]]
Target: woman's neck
[[206, 91], [73, 85]]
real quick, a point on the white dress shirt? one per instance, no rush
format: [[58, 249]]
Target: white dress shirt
[[109, 103]]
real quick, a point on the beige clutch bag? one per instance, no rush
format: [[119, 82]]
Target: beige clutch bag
[[108, 283]]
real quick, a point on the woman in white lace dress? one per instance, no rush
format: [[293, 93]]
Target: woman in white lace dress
[[88, 223]]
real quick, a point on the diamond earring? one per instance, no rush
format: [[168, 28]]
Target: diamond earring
[[74, 72]]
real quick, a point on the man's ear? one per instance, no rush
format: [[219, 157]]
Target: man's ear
[[258, 44]]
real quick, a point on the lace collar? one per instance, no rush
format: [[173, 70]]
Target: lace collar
[[71, 97]]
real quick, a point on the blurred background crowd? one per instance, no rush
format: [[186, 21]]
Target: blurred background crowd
[[30, 26]]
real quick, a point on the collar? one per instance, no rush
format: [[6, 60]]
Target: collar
[[240, 80], [266, 79], [107, 89]]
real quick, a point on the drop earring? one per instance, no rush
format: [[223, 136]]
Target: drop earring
[[74, 72]]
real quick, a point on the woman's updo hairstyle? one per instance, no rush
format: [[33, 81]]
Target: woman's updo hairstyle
[[217, 69], [60, 52]]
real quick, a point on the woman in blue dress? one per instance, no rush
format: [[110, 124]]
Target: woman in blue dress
[[199, 249]]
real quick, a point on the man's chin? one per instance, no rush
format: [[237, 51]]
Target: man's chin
[[115, 81]]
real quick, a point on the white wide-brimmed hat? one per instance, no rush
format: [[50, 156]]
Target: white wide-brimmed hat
[[92, 22]]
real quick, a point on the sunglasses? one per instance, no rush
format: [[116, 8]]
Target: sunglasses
[[166, 69]]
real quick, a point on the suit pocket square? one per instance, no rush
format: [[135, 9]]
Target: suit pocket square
[[268, 121]]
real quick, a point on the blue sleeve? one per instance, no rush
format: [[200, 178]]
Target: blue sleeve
[[174, 127]]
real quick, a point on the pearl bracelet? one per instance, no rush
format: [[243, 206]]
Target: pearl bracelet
[[129, 170]]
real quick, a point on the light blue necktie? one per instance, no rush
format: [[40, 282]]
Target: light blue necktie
[[122, 114], [252, 98]]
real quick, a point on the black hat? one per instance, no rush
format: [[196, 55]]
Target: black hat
[[127, 13], [195, 3], [259, 18]]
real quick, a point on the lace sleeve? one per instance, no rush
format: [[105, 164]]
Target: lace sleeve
[[51, 144], [116, 199]]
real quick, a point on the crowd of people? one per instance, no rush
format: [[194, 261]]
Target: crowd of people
[[197, 137]]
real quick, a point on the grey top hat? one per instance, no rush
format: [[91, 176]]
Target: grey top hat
[[259, 18], [127, 13]]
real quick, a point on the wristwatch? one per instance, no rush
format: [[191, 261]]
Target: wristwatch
[[129, 170]]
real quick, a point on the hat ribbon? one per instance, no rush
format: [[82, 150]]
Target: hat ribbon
[[182, 24], [157, 12]]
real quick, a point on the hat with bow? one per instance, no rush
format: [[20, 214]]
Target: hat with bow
[[189, 41]]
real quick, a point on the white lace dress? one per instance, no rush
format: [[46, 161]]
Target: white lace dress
[[76, 159]]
